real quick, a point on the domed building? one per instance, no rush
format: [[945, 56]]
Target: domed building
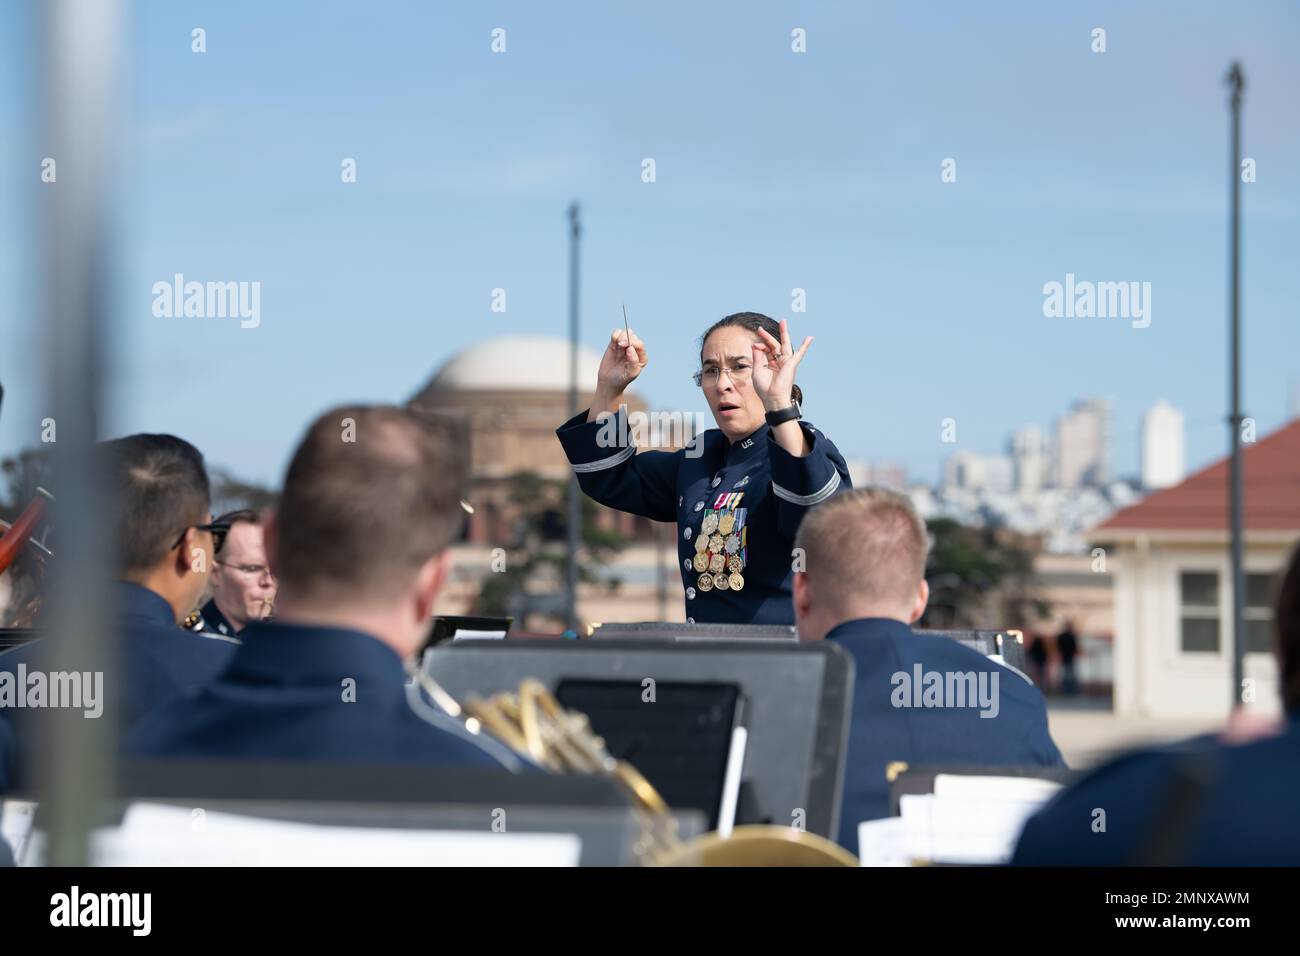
[[514, 392]]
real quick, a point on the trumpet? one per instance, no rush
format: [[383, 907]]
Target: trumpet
[[534, 724]]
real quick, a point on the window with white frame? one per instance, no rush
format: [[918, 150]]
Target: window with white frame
[[1198, 601], [1261, 590]]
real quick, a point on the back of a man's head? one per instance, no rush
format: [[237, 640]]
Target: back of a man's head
[[157, 488], [372, 493], [864, 555]]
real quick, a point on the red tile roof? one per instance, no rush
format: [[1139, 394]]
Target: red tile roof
[[1271, 493]]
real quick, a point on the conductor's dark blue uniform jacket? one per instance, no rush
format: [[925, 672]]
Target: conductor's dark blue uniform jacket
[[314, 694], [892, 721], [777, 487], [1198, 803]]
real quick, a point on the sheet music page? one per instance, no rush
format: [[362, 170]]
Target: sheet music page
[[1011, 789], [155, 835], [472, 635], [16, 825], [971, 819], [883, 842], [916, 811]]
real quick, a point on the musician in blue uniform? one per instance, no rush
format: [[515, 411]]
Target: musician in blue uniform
[[1203, 802], [918, 699], [359, 548], [8, 767], [164, 539], [738, 492], [242, 585], [8, 754]]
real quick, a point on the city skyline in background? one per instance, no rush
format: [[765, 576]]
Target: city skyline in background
[[779, 176]]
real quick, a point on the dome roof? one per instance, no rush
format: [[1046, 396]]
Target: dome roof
[[516, 363]]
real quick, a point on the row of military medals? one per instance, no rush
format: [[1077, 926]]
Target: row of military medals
[[720, 545]]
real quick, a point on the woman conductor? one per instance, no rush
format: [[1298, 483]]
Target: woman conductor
[[739, 491]]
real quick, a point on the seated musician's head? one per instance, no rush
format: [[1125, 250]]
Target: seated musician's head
[[726, 373], [371, 501], [158, 506], [242, 583], [864, 556]]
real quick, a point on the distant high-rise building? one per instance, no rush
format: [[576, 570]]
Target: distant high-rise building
[[1029, 452], [999, 473], [963, 469], [975, 472], [1083, 444], [1164, 449], [883, 474]]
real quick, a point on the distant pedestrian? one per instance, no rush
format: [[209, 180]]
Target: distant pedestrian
[[1036, 654], [1067, 646]]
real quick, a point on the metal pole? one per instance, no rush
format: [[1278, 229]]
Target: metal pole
[[1237, 83], [575, 503], [79, 57]]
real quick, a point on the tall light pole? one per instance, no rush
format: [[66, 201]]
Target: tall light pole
[[1236, 83], [575, 503], [79, 57]]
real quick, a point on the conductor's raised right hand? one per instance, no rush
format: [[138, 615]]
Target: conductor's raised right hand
[[621, 363]]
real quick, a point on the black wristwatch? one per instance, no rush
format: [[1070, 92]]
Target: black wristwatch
[[782, 415]]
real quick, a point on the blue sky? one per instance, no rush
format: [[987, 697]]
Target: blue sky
[[775, 170]]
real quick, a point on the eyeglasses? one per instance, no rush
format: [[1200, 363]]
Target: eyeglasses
[[739, 372], [219, 529], [254, 570]]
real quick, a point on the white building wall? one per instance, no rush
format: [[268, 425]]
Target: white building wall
[[1153, 676], [1127, 568]]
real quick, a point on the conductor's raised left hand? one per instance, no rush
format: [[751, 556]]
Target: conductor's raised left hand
[[774, 367]]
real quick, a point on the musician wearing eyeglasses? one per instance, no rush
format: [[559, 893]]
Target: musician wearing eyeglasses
[[360, 545], [738, 492], [243, 587]]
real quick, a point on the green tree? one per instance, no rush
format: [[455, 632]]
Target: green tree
[[531, 580], [230, 493], [981, 578]]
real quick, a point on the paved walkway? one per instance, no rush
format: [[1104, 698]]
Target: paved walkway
[[1087, 732]]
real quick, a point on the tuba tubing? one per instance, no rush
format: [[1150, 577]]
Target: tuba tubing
[[532, 723], [20, 532]]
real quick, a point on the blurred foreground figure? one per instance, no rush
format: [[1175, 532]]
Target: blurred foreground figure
[[371, 502], [1205, 802], [917, 698]]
